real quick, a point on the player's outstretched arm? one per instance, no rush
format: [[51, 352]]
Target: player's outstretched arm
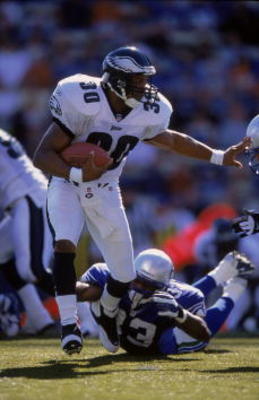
[[186, 145]]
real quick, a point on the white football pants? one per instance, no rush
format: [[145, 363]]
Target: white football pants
[[99, 205], [25, 235]]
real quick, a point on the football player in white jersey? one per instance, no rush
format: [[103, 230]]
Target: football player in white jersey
[[115, 112], [25, 246]]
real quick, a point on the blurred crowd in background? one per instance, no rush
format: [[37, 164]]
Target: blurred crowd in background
[[207, 59]]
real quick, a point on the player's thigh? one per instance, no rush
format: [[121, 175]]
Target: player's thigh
[[65, 214], [116, 248], [21, 235], [6, 248]]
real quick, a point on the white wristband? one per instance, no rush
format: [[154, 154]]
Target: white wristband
[[76, 175], [217, 157]]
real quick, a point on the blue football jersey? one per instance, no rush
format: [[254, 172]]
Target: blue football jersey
[[140, 323]]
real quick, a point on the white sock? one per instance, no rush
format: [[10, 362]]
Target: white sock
[[87, 322], [109, 302], [67, 309], [225, 270], [235, 288], [37, 314]]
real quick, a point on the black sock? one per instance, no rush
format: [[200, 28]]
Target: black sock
[[116, 288], [10, 273], [64, 273]]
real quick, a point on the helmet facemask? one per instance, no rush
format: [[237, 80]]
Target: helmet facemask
[[253, 152], [132, 95], [253, 163]]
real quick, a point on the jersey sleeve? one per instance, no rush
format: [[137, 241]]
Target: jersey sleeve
[[188, 297], [96, 275], [69, 107], [160, 120]]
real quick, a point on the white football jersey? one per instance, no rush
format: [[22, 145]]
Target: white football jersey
[[18, 176], [79, 105]]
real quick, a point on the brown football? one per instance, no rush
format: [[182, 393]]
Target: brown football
[[77, 153]]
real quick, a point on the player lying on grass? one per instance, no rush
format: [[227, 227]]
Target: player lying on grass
[[160, 315]]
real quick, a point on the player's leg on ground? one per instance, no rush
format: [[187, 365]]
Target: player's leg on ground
[[219, 312], [19, 271], [38, 319], [230, 266]]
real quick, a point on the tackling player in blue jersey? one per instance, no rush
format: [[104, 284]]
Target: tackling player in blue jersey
[[159, 315]]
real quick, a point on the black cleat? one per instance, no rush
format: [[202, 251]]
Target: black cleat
[[107, 326], [71, 339], [244, 267]]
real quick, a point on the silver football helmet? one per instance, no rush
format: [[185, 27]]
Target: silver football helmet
[[253, 153], [154, 267], [119, 69]]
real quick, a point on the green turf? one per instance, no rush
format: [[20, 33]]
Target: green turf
[[36, 369]]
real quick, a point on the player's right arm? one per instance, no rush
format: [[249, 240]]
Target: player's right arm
[[88, 292], [92, 282], [47, 156], [66, 106]]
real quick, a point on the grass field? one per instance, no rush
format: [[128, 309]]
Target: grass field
[[36, 369]]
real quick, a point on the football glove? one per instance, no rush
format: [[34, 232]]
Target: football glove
[[168, 306], [246, 224]]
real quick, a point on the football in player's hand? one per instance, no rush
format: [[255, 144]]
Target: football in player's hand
[[77, 154]]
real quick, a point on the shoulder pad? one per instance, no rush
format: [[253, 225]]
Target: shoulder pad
[[160, 112], [82, 92], [165, 105], [188, 289]]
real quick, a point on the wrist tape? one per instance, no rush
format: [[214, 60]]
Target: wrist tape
[[217, 157], [76, 175]]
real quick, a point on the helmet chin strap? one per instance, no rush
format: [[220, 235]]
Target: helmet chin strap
[[130, 102]]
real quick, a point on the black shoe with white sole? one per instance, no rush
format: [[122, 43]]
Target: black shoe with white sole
[[107, 327], [244, 267], [71, 339]]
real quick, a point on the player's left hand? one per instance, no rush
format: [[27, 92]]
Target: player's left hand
[[231, 154], [246, 224]]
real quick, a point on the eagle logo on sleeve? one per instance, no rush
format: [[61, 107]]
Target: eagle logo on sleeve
[[54, 105]]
